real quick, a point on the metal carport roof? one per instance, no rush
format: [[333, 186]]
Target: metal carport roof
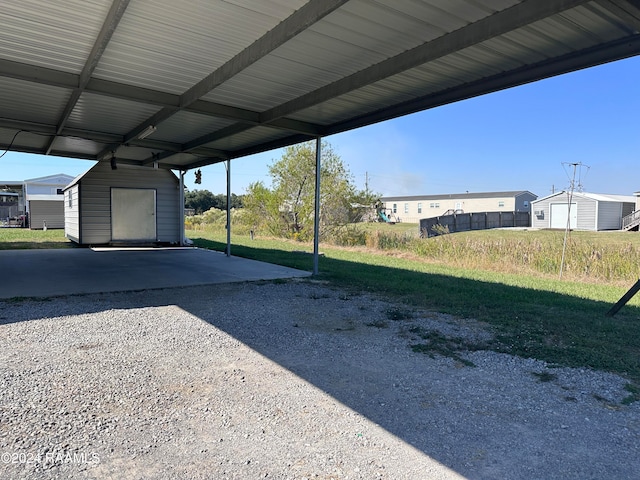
[[185, 84]]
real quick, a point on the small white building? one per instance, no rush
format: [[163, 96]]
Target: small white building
[[44, 200], [127, 205], [587, 211], [410, 209]]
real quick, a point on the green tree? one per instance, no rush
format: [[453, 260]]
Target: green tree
[[288, 208], [203, 200], [199, 200]]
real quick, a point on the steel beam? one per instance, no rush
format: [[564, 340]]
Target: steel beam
[[589, 57], [110, 24], [517, 16]]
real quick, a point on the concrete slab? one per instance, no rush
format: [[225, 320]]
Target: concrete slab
[[45, 273]]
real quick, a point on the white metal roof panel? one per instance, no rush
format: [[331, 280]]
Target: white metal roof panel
[[185, 126], [84, 148], [248, 139], [191, 37], [43, 104], [100, 113], [44, 33]]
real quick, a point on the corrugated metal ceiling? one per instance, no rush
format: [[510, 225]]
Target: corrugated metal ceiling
[[220, 79]]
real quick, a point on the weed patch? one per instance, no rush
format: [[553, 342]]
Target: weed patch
[[398, 314], [439, 344], [634, 394], [378, 324], [545, 376]]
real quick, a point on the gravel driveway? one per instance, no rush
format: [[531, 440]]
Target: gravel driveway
[[289, 381]]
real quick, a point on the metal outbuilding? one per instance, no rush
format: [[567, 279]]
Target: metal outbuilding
[[44, 201], [127, 205], [587, 211]]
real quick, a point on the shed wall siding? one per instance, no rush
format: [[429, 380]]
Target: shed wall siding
[[587, 211], [95, 198], [72, 214], [609, 216], [49, 212]]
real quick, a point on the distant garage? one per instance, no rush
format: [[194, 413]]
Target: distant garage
[[44, 204], [125, 205], [586, 211]]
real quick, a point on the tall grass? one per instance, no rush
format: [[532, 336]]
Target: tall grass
[[611, 257], [595, 257]]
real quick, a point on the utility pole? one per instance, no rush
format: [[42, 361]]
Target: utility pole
[[366, 183], [572, 185]]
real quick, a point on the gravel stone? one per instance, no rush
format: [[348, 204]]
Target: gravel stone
[[289, 380]]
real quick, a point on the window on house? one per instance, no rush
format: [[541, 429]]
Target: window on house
[[395, 208], [500, 204], [406, 208], [437, 205], [432, 205], [419, 208], [525, 204], [70, 200]]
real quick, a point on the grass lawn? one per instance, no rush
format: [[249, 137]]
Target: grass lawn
[[23, 238], [561, 322]]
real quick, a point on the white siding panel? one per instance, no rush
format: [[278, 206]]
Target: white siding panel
[[587, 208], [72, 214]]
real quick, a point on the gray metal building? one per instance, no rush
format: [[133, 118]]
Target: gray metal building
[[587, 211], [127, 205]]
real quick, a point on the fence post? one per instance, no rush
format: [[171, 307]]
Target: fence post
[[625, 298]]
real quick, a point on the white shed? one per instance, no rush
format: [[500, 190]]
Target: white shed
[[127, 205], [43, 199], [588, 211]]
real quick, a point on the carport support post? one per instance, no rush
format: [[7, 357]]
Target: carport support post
[[228, 207], [181, 215], [316, 217]]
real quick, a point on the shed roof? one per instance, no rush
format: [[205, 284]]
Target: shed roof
[[187, 84], [598, 197], [51, 179], [465, 195]]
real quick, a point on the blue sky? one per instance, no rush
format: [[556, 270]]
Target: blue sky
[[517, 139]]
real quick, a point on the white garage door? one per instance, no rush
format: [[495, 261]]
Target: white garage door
[[559, 214], [133, 214]]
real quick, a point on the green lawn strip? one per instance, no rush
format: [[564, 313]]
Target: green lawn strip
[[556, 321], [23, 238]]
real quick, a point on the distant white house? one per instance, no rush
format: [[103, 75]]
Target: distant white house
[[411, 209], [587, 211]]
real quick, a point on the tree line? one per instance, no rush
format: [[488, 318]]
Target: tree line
[[202, 200]]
